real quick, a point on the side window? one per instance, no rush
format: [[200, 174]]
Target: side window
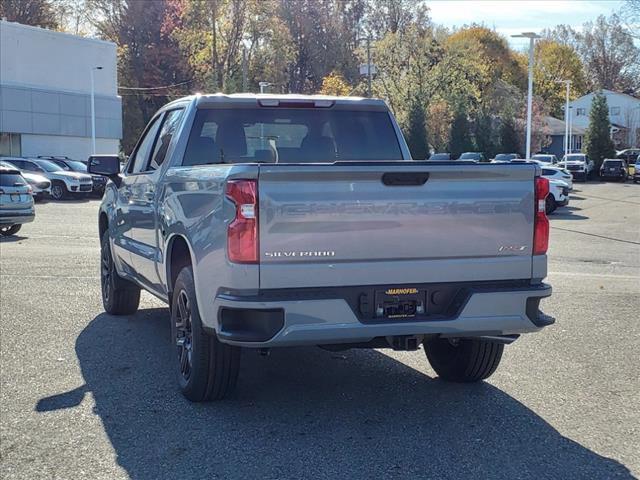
[[169, 126], [140, 158], [31, 167]]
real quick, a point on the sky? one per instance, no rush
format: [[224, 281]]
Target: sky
[[512, 17]]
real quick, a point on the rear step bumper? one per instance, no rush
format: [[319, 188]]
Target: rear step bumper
[[301, 317]]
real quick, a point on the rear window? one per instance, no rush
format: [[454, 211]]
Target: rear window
[[290, 135], [11, 180], [613, 163]]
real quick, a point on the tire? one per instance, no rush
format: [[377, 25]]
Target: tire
[[119, 296], [206, 368], [550, 205], [9, 230], [59, 190], [463, 360]]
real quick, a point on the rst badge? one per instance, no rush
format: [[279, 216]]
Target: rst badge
[[512, 248]]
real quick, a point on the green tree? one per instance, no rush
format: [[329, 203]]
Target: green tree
[[416, 131], [439, 118], [460, 139], [598, 137], [610, 56], [39, 13], [490, 49], [149, 59], [555, 62], [335, 84], [509, 138], [485, 134]]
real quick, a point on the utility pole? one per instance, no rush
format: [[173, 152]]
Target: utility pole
[[245, 86], [532, 37], [566, 115], [93, 112], [570, 130], [369, 66]]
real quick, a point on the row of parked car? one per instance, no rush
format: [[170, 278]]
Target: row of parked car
[[26, 180], [58, 177], [621, 168]]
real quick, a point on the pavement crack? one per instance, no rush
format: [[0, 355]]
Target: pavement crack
[[613, 239]]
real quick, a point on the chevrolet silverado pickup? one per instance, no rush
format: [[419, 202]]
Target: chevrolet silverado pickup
[[270, 221]]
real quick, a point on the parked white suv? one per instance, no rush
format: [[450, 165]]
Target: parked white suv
[[558, 195], [63, 183], [578, 164], [555, 173]]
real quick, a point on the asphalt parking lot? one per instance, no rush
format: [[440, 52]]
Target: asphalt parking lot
[[88, 395]]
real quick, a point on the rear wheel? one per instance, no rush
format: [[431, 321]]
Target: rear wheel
[[58, 190], [550, 205], [206, 368], [463, 359], [119, 296], [8, 230]]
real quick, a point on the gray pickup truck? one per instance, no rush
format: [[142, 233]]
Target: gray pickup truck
[[271, 221]]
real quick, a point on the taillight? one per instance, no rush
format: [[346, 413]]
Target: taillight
[[541, 222], [242, 234]]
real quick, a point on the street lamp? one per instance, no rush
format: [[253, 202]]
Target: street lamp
[[566, 116], [532, 37], [570, 140], [264, 85], [93, 111], [246, 45]]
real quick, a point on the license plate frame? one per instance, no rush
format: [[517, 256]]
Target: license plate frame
[[400, 303]]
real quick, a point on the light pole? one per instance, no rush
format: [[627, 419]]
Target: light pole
[[570, 129], [532, 37], [566, 116], [264, 85], [93, 112], [246, 44]]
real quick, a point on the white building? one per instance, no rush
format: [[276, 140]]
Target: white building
[[624, 115], [45, 91]]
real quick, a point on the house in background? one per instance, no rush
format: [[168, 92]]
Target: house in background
[[624, 115], [555, 131], [45, 91]]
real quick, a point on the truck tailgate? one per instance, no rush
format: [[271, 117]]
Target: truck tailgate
[[371, 223]]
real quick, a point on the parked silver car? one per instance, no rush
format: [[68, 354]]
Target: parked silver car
[[41, 186], [16, 201], [63, 183]]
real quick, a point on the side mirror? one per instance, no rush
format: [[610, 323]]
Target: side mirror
[[107, 165]]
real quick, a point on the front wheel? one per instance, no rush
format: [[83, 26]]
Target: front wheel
[[8, 230], [58, 191], [206, 368], [119, 296], [463, 359]]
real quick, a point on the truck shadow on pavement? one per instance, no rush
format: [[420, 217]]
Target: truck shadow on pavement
[[308, 413]]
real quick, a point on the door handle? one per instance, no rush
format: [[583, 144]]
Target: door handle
[[397, 179]]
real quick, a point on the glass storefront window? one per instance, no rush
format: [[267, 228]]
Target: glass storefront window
[[10, 144]]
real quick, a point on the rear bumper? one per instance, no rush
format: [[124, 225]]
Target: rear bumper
[[616, 176], [17, 218], [303, 317]]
